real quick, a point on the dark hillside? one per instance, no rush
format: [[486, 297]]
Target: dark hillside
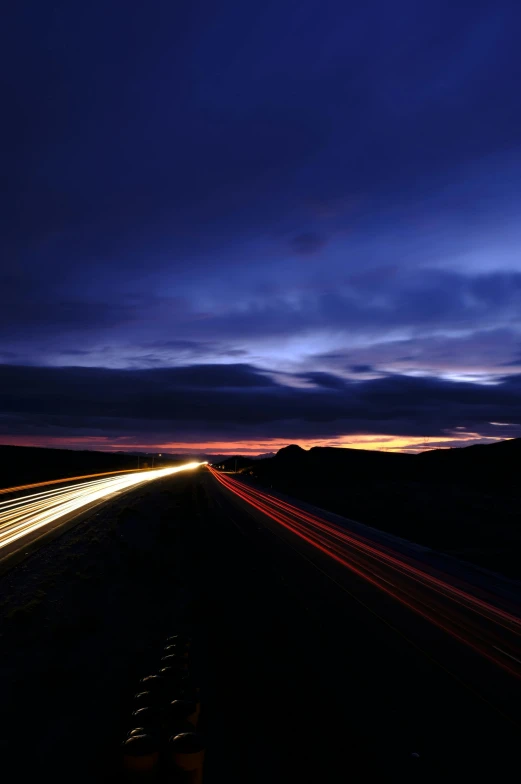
[[26, 464], [495, 465], [235, 463], [463, 501]]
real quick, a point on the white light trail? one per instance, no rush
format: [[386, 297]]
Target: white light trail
[[26, 514]]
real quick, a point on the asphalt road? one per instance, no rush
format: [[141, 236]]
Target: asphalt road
[[29, 514], [321, 659], [426, 661]]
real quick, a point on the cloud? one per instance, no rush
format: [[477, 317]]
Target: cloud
[[380, 143], [361, 369], [325, 380], [239, 402], [434, 322], [512, 363], [466, 351], [424, 301]]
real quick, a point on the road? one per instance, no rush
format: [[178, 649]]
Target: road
[[440, 654], [27, 516]]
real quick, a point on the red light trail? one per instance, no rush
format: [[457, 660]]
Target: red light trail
[[467, 613]]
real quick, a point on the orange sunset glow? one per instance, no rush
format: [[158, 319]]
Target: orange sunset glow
[[387, 443]]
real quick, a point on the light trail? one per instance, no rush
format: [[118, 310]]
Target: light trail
[[466, 612], [29, 513], [9, 490]]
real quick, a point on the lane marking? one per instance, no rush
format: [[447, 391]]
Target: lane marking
[[383, 579], [387, 581], [507, 654]]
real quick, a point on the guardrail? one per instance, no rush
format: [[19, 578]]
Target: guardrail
[[163, 743]]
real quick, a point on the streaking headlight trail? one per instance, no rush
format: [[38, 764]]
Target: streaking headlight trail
[[27, 514]]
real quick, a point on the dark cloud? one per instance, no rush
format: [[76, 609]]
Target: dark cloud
[[239, 401], [321, 379], [215, 377], [192, 347], [361, 369]]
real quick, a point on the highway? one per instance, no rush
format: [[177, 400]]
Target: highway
[[30, 515], [333, 651], [452, 645]]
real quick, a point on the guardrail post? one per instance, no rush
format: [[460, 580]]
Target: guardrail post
[[186, 754], [140, 755]]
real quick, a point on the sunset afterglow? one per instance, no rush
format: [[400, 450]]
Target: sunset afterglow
[[374, 442]]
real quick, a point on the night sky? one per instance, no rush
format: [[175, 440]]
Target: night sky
[[232, 226]]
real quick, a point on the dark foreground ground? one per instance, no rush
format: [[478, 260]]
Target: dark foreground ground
[[285, 665]]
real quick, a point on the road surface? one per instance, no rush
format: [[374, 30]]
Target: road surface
[[30, 512], [439, 657]]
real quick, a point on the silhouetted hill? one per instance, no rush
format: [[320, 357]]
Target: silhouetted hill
[[494, 465], [235, 463], [331, 465], [26, 464], [291, 452], [511, 446], [465, 501]]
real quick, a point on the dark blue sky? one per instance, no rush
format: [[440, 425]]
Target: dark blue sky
[[309, 209]]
